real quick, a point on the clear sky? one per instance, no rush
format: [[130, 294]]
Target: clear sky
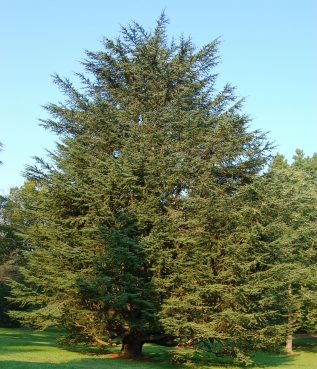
[[269, 51]]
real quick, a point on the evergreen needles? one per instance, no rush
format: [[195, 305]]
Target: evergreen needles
[[152, 222]]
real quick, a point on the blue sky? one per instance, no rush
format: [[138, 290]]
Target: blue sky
[[268, 52]]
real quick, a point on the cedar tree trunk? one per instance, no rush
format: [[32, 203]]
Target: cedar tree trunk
[[132, 344], [132, 349]]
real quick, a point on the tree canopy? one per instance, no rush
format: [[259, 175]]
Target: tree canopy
[[152, 222]]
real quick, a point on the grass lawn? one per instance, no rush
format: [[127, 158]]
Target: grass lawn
[[27, 349]]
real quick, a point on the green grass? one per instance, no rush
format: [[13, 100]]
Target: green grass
[[27, 349]]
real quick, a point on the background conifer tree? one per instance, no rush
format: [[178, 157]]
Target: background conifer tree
[[292, 200], [11, 245]]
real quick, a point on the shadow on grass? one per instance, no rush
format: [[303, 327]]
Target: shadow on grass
[[15, 341], [37, 350], [82, 364], [205, 360], [262, 359], [35, 365], [305, 344], [86, 363]]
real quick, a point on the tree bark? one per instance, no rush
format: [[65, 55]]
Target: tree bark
[[291, 321], [132, 343], [289, 344], [132, 350]]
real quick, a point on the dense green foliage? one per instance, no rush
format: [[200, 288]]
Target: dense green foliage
[[152, 222], [10, 242], [11, 245], [293, 196]]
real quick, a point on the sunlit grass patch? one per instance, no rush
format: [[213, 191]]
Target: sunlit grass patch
[[27, 349]]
